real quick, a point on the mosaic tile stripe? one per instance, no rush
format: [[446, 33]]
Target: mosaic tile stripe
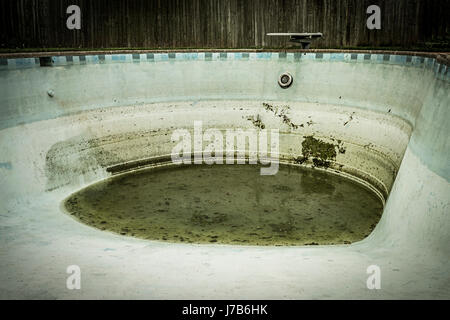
[[440, 69]]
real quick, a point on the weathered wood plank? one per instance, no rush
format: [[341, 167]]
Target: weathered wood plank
[[219, 23]]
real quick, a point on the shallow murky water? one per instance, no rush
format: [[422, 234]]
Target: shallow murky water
[[231, 204]]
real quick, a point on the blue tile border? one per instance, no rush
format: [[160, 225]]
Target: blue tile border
[[439, 68], [337, 57], [136, 57]]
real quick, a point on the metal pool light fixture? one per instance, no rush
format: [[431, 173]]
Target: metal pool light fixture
[[285, 80]]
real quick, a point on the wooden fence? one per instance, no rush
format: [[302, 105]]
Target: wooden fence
[[219, 23]]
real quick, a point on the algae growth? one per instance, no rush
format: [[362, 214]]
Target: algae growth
[[231, 204], [321, 153]]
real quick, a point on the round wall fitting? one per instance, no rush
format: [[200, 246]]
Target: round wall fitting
[[285, 80]]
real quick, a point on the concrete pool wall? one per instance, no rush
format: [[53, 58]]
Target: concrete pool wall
[[63, 125]]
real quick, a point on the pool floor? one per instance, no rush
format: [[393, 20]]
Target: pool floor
[[230, 204]]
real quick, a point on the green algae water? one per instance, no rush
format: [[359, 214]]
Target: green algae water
[[230, 204]]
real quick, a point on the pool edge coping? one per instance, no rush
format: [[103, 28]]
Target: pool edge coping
[[443, 57]]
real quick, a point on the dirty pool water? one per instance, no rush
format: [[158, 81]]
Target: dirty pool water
[[230, 204]]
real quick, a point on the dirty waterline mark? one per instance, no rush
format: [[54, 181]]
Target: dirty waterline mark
[[239, 145]]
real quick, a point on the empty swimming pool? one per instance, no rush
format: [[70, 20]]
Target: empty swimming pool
[[363, 179]]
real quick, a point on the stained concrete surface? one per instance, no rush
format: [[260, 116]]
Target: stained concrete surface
[[38, 241]]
